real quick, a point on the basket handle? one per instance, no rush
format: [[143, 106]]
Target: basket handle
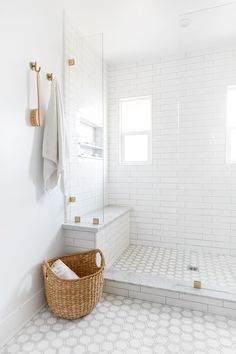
[[45, 266], [102, 258]]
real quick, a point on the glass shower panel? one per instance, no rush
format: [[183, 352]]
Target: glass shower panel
[[206, 179], [84, 108]]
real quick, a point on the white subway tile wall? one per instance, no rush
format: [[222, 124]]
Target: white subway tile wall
[[187, 198], [112, 239]]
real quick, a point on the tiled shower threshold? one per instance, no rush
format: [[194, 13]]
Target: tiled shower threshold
[[142, 282], [153, 281]]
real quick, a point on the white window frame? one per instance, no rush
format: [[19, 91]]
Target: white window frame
[[147, 133], [229, 130]]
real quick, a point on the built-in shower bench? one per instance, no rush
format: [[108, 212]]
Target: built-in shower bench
[[111, 235]]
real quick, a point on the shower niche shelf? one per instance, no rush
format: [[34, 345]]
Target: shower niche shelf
[[84, 156], [90, 140], [90, 146]]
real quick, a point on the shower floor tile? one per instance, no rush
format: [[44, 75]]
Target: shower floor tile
[[215, 270], [129, 326]]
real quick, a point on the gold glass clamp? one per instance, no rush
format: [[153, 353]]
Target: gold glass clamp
[[197, 284], [71, 62], [72, 199], [77, 218], [96, 221]]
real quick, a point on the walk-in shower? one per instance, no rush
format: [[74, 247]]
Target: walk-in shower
[[181, 189]]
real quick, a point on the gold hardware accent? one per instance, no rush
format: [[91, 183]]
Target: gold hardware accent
[[35, 114], [71, 62], [72, 199], [95, 221], [50, 76], [34, 117], [33, 66], [197, 284], [77, 218]]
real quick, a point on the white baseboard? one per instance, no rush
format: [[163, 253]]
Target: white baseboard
[[10, 325]]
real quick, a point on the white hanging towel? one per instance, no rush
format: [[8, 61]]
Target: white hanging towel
[[54, 140]]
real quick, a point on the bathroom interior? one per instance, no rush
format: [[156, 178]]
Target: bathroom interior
[[148, 93]]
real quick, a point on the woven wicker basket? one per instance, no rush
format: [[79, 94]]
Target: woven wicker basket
[[72, 299]]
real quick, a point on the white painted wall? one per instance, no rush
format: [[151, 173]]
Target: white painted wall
[[187, 197], [30, 220]]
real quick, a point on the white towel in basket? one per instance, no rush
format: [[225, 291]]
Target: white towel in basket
[[63, 271]]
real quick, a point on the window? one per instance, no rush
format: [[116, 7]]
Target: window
[[231, 125], [136, 121]]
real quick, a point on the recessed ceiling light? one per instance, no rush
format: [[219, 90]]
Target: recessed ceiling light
[[185, 22]]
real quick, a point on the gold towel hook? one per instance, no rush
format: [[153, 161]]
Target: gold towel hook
[[50, 76], [33, 66], [35, 114]]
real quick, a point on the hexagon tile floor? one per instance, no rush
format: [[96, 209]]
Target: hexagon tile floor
[[122, 325], [214, 269]]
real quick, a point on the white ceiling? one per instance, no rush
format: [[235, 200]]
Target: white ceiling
[[142, 30]]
